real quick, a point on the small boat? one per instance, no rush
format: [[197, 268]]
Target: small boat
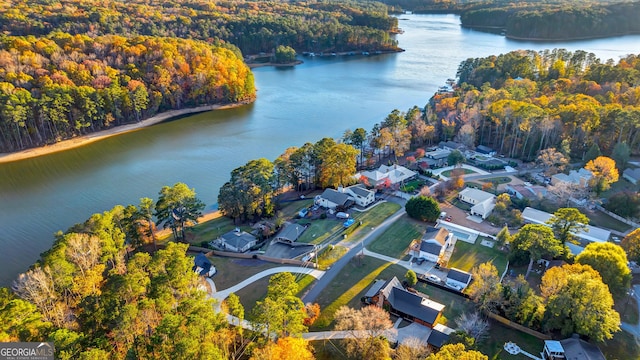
[[365, 53]]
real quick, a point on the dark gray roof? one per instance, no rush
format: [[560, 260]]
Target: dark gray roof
[[336, 197], [430, 247], [459, 275], [484, 149], [375, 288], [439, 235], [201, 261], [291, 232], [360, 190], [577, 349], [451, 145], [238, 239], [411, 304], [437, 338], [390, 284]]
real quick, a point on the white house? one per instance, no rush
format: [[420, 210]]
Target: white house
[[592, 234], [433, 244], [458, 279], [580, 178], [332, 198], [394, 174], [236, 241], [482, 201], [345, 197], [633, 175], [531, 192], [360, 194]]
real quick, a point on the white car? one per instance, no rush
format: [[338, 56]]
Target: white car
[[433, 278], [454, 286]]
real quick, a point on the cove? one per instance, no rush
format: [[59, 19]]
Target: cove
[[320, 98]]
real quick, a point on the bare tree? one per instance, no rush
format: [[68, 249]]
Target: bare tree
[[366, 327], [553, 161], [474, 325], [36, 286], [564, 192], [83, 250], [412, 348]]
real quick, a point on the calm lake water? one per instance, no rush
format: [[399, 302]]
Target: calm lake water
[[320, 98]]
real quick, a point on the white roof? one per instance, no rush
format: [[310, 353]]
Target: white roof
[[484, 207], [574, 176], [395, 173], [476, 194], [554, 346], [591, 234]]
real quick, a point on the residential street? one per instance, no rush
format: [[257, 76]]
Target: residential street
[[332, 272]]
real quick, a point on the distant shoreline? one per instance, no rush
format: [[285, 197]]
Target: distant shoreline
[[103, 134]]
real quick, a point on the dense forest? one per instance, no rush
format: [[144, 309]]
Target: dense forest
[[69, 68], [537, 20], [522, 102], [64, 85], [253, 26]]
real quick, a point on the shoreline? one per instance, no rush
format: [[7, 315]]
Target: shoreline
[[107, 133]]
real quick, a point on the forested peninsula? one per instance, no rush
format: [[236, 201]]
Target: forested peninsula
[[539, 20], [73, 68]]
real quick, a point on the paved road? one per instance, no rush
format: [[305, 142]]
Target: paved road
[[331, 273]]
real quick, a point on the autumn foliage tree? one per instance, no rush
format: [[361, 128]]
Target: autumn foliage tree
[[577, 301], [372, 321], [604, 173], [631, 244]]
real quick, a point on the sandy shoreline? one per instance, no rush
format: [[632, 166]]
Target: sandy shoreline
[[103, 134]]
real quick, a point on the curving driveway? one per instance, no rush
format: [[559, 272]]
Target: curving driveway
[[221, 295]]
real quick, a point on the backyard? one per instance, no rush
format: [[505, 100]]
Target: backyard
[[447, 173], [466, 256]]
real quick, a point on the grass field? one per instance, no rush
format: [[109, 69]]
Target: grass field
[[232, 271], [372, 218], [465, 256], [330, 255], [447, 173], [319, 230], [600, 219], [497, 180], [351, 284], [397, 238]]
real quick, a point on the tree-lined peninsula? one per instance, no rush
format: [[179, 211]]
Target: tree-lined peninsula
[[538, 20]]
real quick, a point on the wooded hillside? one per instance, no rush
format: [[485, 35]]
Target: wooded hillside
[[62, 85]]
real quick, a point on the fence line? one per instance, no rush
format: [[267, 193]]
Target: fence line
[[618, 217], [517, 326]]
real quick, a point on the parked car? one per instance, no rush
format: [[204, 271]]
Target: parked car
[[342, 215], [348, 223], [433, 278], [420, 260], [302, 213], [454, 286], [448, 218], [309, 256]]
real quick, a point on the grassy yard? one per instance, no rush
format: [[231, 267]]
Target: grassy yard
[[623, 346], [232, 271], [291, 209], [372, 218], [447, 173], [465, 256], [460, 204], [330, 255], [500, 334], [210, 230], [498, 180], [600, 219], [319, 230], [251, 294], [351, 284], [397, 238], [412, 185]]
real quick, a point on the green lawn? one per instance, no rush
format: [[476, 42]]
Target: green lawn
[[291, 209], [455, 305], [330, 254], [232, 271], [465, 256], [500, 334], [498, 180], [600, 219], [623, 346], [396, 239], [412, 185], [460, 204], [447, 173], [351, 284], [372, 218], [319, 230]]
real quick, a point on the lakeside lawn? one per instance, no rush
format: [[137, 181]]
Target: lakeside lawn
[[396, 239], [351, 284], [232, 271], [465, 256]]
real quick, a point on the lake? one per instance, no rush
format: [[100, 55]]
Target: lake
[[320, 98]]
